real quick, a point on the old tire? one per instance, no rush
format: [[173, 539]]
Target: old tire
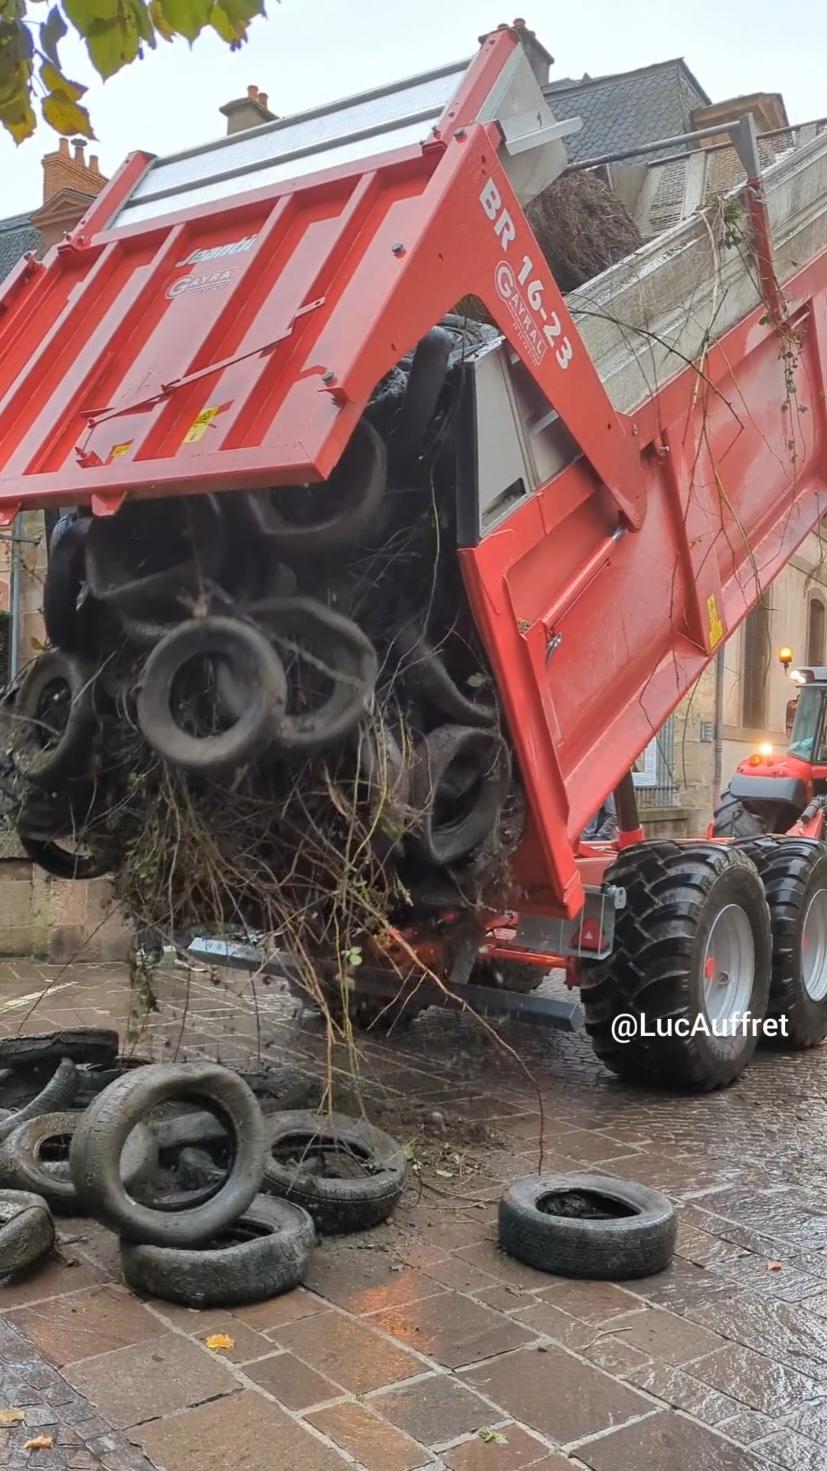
[[349, 502], [70, 625], [94, 1045], [27, 1231], [256, 669], [65, 863], [794, 874], [103, 1129], [153, 555], [459, 781], [423, 672], [57, 1094], [333, 643], [54, 719], [337, 1205], [265, 1254], [23, 1168], [734, 818], [665, 939], [583, 1237]]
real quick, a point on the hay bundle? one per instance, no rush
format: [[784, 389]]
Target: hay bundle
[[582, 227]]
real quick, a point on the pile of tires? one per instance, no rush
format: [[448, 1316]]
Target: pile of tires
[[215, 1190], [236, 639]]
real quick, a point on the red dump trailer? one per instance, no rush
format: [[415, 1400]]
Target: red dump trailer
[[638, 461]]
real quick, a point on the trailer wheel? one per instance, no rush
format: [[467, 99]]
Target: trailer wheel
[[794, 873], [736, 819], [692, 948]]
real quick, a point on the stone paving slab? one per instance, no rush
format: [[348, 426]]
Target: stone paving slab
[[409, 1341]]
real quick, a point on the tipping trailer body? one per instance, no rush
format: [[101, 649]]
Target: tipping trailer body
[[219, 321]]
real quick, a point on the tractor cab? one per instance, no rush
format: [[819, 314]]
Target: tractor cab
[[777, 792]]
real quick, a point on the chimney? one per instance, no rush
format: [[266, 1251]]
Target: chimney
[[69, 170], [247, 112]]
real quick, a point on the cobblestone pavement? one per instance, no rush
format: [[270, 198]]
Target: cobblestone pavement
[[407, 1342]]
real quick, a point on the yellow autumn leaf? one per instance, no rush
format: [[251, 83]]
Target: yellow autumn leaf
[[65, 115], [54, 79], [11, 1417], [39, 1443], [219, 1340]]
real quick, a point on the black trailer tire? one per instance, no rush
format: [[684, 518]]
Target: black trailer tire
[[66, 684], [256, 669], [675, 893], [22, 1167], [103, 1129], [57, 1094], [636, 1242], [267, 1253], [91, 1045], [794, 874], [27, 1231], [734, 818], [337, 1206]]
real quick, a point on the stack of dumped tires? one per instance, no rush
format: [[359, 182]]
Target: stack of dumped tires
[[216, 1194], [239, 636]]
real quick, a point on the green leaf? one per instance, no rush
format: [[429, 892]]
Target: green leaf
[[54, 28], [491, 1437], [187, 17], [84, 14], [65, 115], [53, 78], [143, 23], [160, 22], [111, 45]]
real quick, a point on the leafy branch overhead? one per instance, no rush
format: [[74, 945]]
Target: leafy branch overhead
[[115, 32]]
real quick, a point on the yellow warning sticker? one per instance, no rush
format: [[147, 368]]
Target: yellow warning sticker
[[716, 627], [202, 423], [119, 450]]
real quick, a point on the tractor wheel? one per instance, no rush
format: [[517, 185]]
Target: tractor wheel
[[692, 950], [794, 873], [735, 819]]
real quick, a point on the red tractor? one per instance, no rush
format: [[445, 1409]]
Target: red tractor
[[783, 792]]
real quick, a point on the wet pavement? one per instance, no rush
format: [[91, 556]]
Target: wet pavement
[[419, 1345]]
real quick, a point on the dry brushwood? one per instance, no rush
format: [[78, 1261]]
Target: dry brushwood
[[582, 228]]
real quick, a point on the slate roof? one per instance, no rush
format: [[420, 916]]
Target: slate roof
[[17, 236], [627, 108]]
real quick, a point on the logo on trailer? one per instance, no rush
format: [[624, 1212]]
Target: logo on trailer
[[507, 288], [540, 327], [218, 252]]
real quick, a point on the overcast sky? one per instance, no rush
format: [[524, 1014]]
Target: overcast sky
[[312, 51]]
